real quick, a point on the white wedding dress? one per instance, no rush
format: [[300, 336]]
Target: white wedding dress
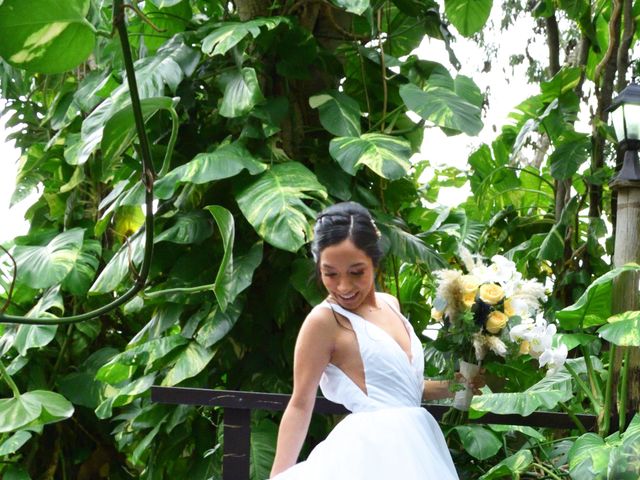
[[389, 436]]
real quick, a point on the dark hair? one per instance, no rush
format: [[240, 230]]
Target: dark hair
[[342, 221]]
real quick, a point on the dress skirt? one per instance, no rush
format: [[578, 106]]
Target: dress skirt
[[403, 443]]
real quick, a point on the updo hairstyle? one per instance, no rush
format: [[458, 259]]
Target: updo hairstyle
[[346, 220]]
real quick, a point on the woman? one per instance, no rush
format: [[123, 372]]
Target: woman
[[365, 355]]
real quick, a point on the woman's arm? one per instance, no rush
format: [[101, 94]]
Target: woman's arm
[[436, 390], [312, 354], [441, 389]]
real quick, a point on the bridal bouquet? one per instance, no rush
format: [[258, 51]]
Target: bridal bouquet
[[491, 308]]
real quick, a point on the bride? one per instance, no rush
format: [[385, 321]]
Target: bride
[[364, 354]]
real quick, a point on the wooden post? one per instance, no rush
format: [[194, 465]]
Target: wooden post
[[625, 286], [237, 439]]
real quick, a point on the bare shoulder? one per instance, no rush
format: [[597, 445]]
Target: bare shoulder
[[391, 299], [319, 323]]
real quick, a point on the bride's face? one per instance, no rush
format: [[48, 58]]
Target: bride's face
[[347, 273]]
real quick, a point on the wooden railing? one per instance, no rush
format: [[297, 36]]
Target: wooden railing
[[237, 418]]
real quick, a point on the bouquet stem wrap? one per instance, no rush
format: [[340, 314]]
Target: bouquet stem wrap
[[462, 399]]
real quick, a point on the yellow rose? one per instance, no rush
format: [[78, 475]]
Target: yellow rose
[[524, 347], [436, 314], [496, 322], [491, 293], [469, 283], [469, 298], [508, 308]]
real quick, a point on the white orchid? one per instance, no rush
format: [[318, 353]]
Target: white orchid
[[554, 358]]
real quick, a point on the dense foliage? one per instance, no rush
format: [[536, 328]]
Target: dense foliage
[[259, 114]]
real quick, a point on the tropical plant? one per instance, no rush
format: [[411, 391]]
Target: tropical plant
[[257, 115]]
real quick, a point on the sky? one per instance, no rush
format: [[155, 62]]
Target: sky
[[506, 90]]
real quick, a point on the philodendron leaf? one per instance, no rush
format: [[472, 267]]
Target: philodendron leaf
[[589, 457], [38, 407], [45, 266], [386, 155], [227, 36], [131, 252], [189, 228], [623, 329], [510, 466], [45, 36], [120, 129], [190, 362], [273, 205], [546, 393], [14, 442], [125, 395], [241, 92], [478, 441], [263, 443], [84, 271], [594, 305], [167, 68], [572, 150], [468, 16], [339, 113], [226, 225], [443, 108]]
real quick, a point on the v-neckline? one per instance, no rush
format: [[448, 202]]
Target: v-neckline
[[387, 334]]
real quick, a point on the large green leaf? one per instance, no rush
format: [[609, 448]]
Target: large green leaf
[[45, 36], [552, 247], [38, 407], [188, 228], [124, 396], [546, 393], [386, 155], [243, 267], [263, 449], [273, 204], [241, 92], [468, 16], [118, 267], [83, 272], [190, 362], [120, 129], [227, 36], [218, 324], [226, 225], [410, 248], [623, 329], [594, 305], [44, 266], [589, 457], [224, 162], [124, 365], [81, 386], [478, 441], [14, 442], [510, 467], [339, 113], [166, 69], [443, 108], [572, 150]]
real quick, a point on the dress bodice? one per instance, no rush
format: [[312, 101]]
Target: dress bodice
[[391, 378]]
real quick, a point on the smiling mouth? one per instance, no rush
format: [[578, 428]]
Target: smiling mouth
[[347, 298]]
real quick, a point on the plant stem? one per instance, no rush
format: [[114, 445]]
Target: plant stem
[[573, 417], [547, 471], [597, 406], [9, 380], [622, 394], [603, 423], [595, 385]]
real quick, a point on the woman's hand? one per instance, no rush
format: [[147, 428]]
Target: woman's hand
[[475, 383]]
